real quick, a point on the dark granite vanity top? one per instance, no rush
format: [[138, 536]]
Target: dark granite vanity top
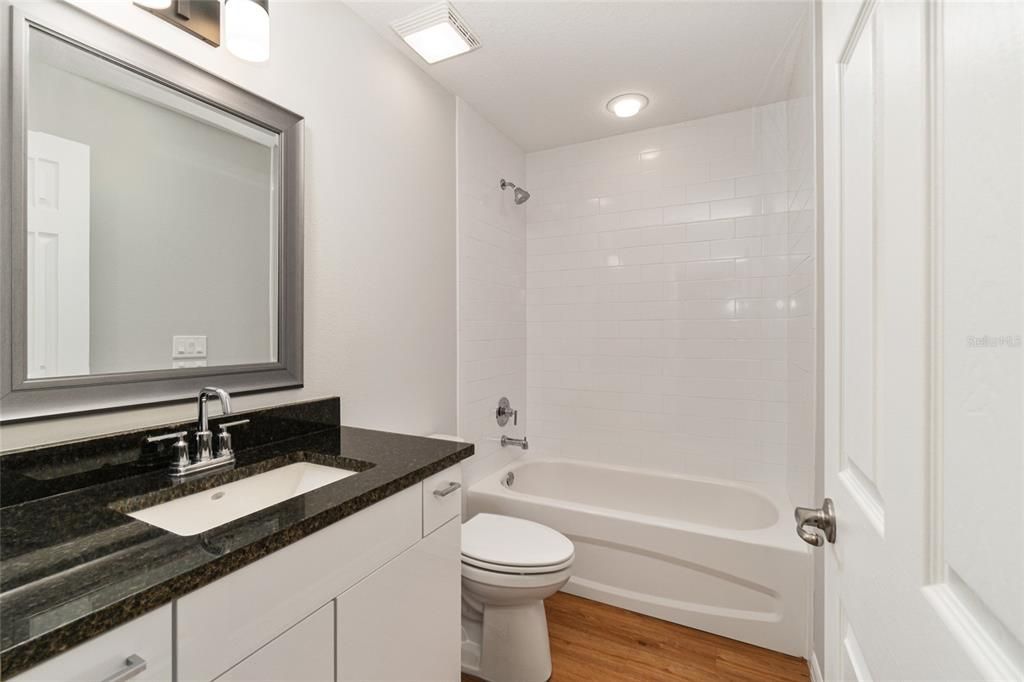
[[73, 565]]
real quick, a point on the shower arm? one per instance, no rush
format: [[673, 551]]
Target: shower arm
[[521, 195]]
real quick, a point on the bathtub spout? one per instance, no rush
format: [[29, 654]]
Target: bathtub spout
[[521, 442]]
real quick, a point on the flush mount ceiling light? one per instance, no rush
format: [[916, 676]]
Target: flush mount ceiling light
[[247, 29], [628, 105], [436, 33], [153, 4]]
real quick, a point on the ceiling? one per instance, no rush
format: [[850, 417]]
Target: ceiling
[[546, 69]]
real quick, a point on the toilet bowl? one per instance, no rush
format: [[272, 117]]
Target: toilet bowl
[[509, 567]]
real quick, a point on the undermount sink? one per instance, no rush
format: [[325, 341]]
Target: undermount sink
[[214, 507]]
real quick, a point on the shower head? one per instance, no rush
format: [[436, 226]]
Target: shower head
[[519, 194]]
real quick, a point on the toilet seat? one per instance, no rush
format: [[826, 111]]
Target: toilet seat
[[515, 582], [504, 544], [515, 570]]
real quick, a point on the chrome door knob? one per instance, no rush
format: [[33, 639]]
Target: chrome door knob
[[823, 519]]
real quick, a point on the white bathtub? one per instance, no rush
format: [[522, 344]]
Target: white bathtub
[[709, 554]]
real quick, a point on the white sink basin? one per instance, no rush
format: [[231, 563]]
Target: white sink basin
[[214, 507]]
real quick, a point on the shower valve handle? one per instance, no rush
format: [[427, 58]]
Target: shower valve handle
[[505, 411]]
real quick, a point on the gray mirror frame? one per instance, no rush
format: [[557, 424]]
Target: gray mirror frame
[[22, 398]]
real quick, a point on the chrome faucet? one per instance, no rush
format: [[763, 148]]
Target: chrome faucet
[[205, 459], [204, 437], [519, 442]]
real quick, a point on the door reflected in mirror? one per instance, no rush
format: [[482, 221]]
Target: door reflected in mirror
[[153, 229]]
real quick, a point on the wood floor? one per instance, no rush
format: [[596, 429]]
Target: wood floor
[[591, 642]]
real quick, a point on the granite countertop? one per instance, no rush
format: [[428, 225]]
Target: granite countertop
[[73, 565]]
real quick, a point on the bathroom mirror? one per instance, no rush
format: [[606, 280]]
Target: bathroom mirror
[[155, 240]]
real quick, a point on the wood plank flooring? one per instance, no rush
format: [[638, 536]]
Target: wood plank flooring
[[592, 642]]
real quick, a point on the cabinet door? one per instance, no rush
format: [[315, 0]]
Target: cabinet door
[[251, 606], [147, 640], [403, 622], [304, 653]]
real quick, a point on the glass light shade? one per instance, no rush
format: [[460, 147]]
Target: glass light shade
[[625, 106], [154, 4], [247, 29]]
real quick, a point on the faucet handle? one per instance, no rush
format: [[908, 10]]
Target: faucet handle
[[224, 426], [180, 435], [224, 438], [179, 448]]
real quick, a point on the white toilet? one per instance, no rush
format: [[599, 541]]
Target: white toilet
[[509, 567]]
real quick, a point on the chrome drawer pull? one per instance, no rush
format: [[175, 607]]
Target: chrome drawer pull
[[445, 492], [136, 664]]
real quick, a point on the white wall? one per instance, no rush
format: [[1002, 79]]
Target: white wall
[[801, 281], [492, 283], [380, 312], [657, 280]]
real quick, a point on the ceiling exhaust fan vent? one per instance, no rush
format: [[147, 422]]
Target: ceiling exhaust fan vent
[[437, 33]]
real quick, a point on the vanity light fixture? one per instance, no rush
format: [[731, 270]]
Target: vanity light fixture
[[247, 29], [198, 18], [436, 33], [628, 105]]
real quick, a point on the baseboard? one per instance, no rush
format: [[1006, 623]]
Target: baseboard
[[812, 665]]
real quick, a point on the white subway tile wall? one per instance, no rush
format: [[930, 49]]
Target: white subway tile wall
[[801, 333], [663, 271], [492, 290]]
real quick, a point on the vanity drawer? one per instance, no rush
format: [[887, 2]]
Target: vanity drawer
[[147, 639], [442, 498]]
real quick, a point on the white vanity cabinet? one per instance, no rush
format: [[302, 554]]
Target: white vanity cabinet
[[139, 650], [403, 622], [375, 596]]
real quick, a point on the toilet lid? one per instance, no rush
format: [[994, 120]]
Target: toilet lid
[[490, 539]]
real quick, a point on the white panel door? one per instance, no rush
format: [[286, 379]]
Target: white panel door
[[923, 177], [58, 256]]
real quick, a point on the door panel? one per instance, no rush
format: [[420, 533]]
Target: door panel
[[58, 256], [852, 665], [860, 150], [978, 457], [923, 173]]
